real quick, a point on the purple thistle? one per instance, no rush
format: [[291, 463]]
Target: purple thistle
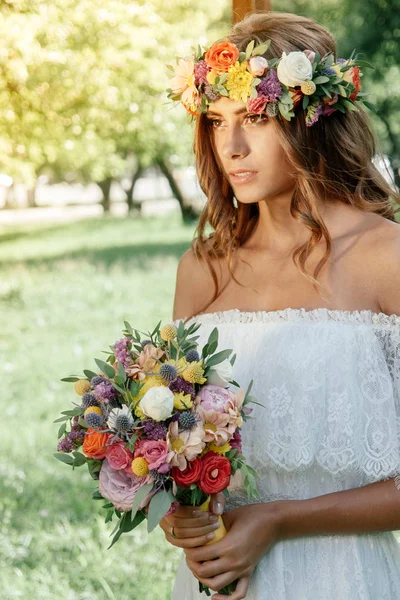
[[270, 87], [65, 445], [181, 385], [341, 60], [154, 430], [121, 351], [77, 436], [105, 391], [211, 95]]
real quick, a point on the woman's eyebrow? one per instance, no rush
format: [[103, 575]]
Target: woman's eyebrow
[[239, 111]]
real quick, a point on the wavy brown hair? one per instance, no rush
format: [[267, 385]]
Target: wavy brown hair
[[332, 159]]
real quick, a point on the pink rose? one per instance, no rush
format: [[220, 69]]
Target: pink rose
[[154, 451], [310, 55], [257, 105], [213, 397], [257, 65], [120, 488], [118, 456]]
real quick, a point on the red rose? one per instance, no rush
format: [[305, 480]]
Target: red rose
[[215, 473], [189, 475]]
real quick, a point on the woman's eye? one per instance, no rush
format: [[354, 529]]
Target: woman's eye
[[214, 123], [256, 118]]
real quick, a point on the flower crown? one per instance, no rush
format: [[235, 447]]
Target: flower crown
[[320, 85]]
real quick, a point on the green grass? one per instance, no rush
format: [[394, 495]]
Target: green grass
[[65, 291]]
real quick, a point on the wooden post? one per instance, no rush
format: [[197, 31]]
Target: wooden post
[[240, 8]]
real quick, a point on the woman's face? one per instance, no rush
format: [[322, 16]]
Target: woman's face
[[249, 143]]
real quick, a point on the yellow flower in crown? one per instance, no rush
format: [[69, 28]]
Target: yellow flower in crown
[[211, 76], [194, 372], [238, 82], [182, 401]]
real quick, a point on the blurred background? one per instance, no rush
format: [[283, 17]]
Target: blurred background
[[98, 200]]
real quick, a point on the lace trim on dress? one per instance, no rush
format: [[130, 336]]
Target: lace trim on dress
[[236, 315]]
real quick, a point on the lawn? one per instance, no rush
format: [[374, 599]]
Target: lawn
[[65, 291]]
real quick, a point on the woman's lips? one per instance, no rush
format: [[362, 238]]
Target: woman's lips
[[242, 176]]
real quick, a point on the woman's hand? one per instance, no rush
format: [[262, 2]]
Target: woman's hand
[[190, 530], [252, 530]]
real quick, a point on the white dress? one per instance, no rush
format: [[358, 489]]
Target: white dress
[[330, 384]]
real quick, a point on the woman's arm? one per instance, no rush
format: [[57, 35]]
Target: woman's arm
[[373, 507]]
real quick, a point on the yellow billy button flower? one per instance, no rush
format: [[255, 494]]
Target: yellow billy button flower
[[82, 386], [194, 373], [182, 401], [219, 449], [168, 332], [140, 466], [93, 409], [308, 88]]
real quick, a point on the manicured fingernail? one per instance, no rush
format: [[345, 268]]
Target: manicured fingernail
[[210, 536], [213, 518], [198, 513], [219, 509]]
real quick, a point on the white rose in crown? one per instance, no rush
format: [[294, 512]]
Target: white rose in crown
[[294, 69], [220, 374], [158, 403], [257, 65]]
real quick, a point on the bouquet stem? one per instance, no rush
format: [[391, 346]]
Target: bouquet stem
[[219, 534]]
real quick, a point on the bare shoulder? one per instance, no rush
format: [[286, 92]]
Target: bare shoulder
[[384, 255], [194, 284]]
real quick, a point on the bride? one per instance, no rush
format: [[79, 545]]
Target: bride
[[301, 277]]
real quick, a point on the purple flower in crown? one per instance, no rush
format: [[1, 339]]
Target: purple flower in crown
[[329, 72], [270, 87], [314, 111], [200, 72]]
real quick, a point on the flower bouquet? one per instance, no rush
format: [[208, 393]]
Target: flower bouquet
[[158, 426]]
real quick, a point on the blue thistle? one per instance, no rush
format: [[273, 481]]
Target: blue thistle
[[145, 342], [94, 420], [192, 356], [89, 399], [96, 380], [168, 372], [187, 420]]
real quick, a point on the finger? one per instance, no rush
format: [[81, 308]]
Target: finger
[[239, 594], [217, 503], [219, 581], [201, 521], [191, 532], [209, 568], [189, 543]]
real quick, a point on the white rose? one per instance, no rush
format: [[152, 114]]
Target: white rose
[[294, 69], [220, 374], [158, 403], [257, 65]]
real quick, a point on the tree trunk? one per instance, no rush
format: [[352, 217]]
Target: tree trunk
[[105, 187], [395, 151], [31, 197], [129, 193], [188, 213]]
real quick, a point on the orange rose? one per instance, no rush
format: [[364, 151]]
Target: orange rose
[[221, 56], [297, 96], [356, 81], [95, 444]]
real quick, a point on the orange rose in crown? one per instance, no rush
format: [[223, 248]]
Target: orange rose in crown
[[221, 56]]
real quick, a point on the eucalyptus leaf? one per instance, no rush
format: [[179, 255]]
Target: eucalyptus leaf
[[249, 49], [305, 101], [61, 419], [70, 379], [218, 358], [321, 79], [159, 505], [62, 430], [89, 374], [105, 367], [261, 49], [65, 458], [139, 496]]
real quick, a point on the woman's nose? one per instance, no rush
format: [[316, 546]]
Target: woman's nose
[[235, 145]]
